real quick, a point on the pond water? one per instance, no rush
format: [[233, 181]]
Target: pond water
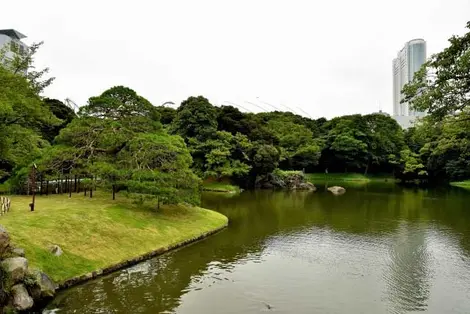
[[375, 249]]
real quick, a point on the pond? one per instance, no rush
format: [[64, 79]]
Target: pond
[[379, 248]]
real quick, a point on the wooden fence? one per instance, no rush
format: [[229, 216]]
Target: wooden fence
[[5, 204]]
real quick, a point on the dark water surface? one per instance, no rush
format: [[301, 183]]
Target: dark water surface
[[375, 249]]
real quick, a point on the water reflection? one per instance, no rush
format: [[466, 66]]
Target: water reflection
[[375, 249], [408, 272]]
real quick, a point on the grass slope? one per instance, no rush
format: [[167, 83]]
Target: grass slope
[[347, 177], [462, 184], [220, 187], [98, 232]]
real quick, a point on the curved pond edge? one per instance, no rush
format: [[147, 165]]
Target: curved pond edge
[[130, 262]]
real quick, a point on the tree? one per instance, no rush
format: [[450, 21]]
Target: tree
[[232, 120], [167, 114], [117, 143], [22, 115], [384, 137], [60, 111], [345, 144], [157, 167], [224, 155], [195, 118], [124, 104], [442, 85], [410, 166], [298, 149], [265, 160], [23, 64]]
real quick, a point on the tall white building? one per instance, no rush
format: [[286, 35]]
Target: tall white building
[[405, 65], [10, 43]]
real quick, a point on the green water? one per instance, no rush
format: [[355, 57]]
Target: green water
[[375, 249]]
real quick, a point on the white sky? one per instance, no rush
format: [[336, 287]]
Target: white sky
[[329, 58]]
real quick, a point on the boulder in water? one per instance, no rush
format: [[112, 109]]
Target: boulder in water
[[308, 186], [337, 190]]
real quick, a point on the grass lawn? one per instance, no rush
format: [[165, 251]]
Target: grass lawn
[[347, 177], [98, 232], [220, 187], [462, 184]]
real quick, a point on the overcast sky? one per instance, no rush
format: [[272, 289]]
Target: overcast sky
[[328, 58]]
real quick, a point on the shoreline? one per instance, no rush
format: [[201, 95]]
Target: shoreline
[[220, 187], [97, 235], [348, 177], [461, 184], [68, 283]]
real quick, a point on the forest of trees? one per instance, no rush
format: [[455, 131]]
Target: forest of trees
[[121, 142]]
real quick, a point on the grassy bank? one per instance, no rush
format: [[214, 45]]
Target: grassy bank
[[98, 232], [220, 187], [353, 177], [462, 184]]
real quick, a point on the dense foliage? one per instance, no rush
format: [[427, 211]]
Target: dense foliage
[[249, 145], [120, 141]]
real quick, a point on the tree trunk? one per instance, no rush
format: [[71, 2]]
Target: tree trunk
[[367, 169], [114, 192], [75, 184], [59, 186], [91, 188], [47, 187], [40, 185]]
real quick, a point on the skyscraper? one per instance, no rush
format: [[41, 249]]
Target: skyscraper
[[10, 43], [405, 65]]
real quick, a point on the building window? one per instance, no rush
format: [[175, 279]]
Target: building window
[[14, 46]]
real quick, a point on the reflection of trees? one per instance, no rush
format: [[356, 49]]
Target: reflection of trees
[[255, 216]]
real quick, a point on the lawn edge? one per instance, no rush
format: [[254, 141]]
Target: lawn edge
[[461, 184], [135, 260], [220, 190]]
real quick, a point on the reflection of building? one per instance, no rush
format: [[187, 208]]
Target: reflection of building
[[407, 63], [10, 43]]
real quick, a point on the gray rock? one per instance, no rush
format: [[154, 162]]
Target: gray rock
[[35, 292], [56, 250], [47, 286], [337, 190], [43, 287], [17, 251], [20, 298], [307, 186], [16, 267], [4, 241]]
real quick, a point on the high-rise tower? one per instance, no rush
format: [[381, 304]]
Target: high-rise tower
[[405, 65]]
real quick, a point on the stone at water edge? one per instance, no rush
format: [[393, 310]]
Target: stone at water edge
[[17, 251], [4, 241], [20, 298], [43, 287], [16, 267], [47, 286], [56, 250], [306, 186], [337, 190]]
